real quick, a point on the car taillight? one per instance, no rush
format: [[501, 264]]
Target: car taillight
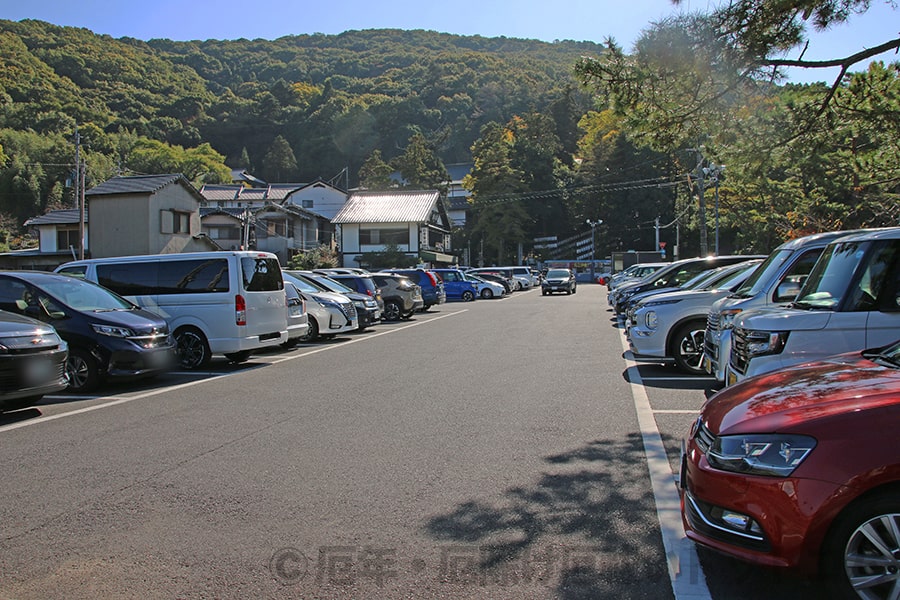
[[432, 278], [240, 310], [302, 306]]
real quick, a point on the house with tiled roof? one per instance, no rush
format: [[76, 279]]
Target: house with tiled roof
[[414, 220], [277, 218]]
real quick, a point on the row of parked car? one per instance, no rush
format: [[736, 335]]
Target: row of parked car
[[794, 462], [137, 316]]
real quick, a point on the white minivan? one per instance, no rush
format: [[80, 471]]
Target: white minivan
[[229, 303]]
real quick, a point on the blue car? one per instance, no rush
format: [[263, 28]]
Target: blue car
[[456, 286]]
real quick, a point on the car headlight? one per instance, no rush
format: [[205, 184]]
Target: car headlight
[[726, 319], [328, 303], [774, 455], [359, 304], [112, 330], [651, 319], [760, 343]]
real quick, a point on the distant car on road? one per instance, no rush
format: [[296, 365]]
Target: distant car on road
[[559, 280]]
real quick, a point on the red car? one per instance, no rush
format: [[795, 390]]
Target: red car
[[800, 468]]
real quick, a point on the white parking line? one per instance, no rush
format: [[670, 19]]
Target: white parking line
[[688, 580], [117, 401]]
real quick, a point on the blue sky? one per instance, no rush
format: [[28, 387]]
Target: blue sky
[[591, 20]]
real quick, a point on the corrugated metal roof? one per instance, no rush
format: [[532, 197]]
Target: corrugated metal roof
[[65, 216], [392, 206], [136, 184]]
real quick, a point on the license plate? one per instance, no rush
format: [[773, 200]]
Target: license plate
[[38, 371], [554, 287], [732, 378]]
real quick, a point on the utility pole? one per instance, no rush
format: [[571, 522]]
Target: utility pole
[[79, 193], [702, 216], [593, 225]]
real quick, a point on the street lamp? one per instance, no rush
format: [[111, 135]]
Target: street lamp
[[714, 172], [593, 225]]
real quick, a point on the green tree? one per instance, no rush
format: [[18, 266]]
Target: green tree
[[500, 220], [420, 166], [375, 174], [279, 163]]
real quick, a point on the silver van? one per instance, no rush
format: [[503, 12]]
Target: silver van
[[230, 303], [775, 282], [849, 302]]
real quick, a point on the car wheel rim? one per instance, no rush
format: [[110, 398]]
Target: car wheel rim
[[872, 557], [392, 312], [691, 349], [191, 351], [77, 371], [486, 293]]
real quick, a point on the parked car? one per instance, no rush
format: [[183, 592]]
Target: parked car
[[367, 309], [108, 336], [401, 296], [703, 280], [632, 273], [516, 283], [671, 325], [559, 280], [508, 286], [32, 361], [799, 469], [486, 289], [849, 302], [456, 286], [229, 303], [674, 274], [358, 282], [432, 288], [298, 320], [776, 282], [526, 273], [328, 313]]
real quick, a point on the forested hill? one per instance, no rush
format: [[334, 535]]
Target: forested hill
[[334, 98]]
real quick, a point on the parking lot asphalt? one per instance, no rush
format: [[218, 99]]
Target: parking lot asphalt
[[504, 448]]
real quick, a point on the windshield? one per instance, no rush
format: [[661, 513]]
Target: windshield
[[302, 284], [557, 273], [329, 284], [830, 278], [757, 282], [84, 296]]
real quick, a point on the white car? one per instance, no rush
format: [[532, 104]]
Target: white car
[[486, 289], [328, 313], [671, 325]]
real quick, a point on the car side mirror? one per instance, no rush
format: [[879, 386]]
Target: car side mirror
[[787, 291]]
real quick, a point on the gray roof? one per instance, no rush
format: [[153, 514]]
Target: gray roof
[[392, 206], [274, 192], [137, 184], [66, 216]]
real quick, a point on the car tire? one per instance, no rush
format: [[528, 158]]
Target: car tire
[[574, 289], [82, 371], [312, 333], [291, 343], [238, 357], [468, 296], [487, 293], [849, 552], [392, 311], [192, 348], [687, 347]]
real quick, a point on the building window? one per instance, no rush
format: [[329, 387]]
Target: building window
[[276, 228], [181, 222], [379, 236], [67, 237], [306, 203], [224, 233]]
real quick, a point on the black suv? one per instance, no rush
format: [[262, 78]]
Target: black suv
[[358, 282]]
